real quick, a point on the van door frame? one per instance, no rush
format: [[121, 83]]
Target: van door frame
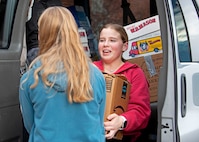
[[11, 125], [172, 84]]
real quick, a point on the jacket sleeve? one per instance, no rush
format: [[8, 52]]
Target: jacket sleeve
[[138, 110], [25, 103]]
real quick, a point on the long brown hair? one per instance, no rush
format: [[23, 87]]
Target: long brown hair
[[59, 42]]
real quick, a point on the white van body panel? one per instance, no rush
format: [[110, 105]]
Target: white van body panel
[[179, 97], [188, 125]]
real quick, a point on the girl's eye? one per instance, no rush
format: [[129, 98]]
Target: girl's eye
[[113, 40], [101, 40]]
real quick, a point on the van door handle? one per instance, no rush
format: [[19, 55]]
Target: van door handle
[[183, 95]]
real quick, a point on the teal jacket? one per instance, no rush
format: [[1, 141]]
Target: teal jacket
[[49, 117]]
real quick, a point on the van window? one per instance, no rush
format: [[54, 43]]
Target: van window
[[184, 49], [196, 3], [7, 14]]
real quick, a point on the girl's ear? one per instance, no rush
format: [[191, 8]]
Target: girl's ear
[[125, 46]]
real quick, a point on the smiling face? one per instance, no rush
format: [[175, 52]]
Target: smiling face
[[111, 45]]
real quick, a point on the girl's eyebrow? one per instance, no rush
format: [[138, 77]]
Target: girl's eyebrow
[[110, 37]]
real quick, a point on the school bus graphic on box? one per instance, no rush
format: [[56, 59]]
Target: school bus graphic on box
[[149, 45], [134, 49]]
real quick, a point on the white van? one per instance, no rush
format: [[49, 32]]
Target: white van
[[176, 112]]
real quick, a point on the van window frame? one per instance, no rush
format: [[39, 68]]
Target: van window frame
[[184, 49], [7, 13]]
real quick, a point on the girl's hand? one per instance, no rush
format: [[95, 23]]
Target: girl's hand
[[113, 125]]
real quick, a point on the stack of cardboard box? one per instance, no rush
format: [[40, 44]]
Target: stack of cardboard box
[[145, 50], [84, 40], [84, 24]]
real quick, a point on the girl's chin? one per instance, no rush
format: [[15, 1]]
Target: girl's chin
[[105, 58]]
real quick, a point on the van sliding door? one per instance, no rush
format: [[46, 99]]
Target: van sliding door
[[178, 90]]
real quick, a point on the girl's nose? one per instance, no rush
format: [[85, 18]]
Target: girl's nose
[[106, 43]]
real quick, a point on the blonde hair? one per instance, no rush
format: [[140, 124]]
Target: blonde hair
[[59, 42]]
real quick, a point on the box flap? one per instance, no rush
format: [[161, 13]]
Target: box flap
[[116, 75]]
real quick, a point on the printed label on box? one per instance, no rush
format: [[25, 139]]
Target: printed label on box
[[142, 27]]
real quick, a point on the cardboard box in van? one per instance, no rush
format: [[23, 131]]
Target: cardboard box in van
[[143, 37], [143, 27], [150, 64], [117, 96]]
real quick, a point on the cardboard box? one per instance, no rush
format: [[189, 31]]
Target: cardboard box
[[81, 19], [79, 15], [83, 35], [83, 22], [150, 64], [84, 41], [140, 36], [143, 27], [86, 49], [118, 90]]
